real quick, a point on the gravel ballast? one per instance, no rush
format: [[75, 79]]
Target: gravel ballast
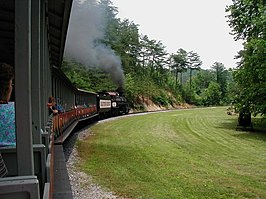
[[81, 183]]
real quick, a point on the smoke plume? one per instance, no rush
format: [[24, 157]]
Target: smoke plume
[[87, 28]]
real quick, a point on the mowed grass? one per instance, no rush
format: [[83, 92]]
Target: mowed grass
[[179, 154]]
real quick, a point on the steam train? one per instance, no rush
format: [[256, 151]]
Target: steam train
[[32, 39], [87, 106]]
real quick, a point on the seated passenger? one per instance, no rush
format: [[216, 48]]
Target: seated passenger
[[59, 107], [7, 109], [52, 106], [7, 112]]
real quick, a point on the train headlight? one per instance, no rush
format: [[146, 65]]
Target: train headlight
[[113, 104]]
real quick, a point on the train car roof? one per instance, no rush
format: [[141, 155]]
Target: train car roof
[[58, 72], [112, 93], [84, 91], [57, 13]]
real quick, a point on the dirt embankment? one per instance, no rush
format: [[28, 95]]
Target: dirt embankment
[[148, 105]]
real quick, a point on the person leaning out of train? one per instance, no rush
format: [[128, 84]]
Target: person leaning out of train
[[52, 106], [7, 112], [7, 108]]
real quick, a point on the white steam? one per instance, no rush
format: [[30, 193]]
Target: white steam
[[86, 29]]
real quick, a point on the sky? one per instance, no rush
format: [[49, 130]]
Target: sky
[[198, 26]]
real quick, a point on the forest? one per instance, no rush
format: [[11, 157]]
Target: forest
[[172, 79]]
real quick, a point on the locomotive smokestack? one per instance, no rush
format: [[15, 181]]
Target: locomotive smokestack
[[87, 27], [120, 90]]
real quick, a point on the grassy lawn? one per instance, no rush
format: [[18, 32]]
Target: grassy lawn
[[179, 154]]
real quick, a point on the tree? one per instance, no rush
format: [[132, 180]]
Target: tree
[[202, 79], [247, 18], [194, 63], [78, 74], [152, 54], [221, 76], [213, 94], [123, 37], [251, 77], [180, 63]]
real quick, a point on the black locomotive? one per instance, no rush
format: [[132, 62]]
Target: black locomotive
[[114, 102]]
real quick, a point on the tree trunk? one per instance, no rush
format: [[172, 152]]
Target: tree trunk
[[181, 78], [176, 76], [190, 74]]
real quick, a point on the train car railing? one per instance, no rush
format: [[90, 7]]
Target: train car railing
[[49, 164], [64, 123], [88, 113], [22, 187], [39, 152]]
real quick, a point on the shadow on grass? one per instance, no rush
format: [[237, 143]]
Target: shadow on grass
[[229, 124], [257, 133]]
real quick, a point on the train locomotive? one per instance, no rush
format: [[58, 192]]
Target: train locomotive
[[114, 102]]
